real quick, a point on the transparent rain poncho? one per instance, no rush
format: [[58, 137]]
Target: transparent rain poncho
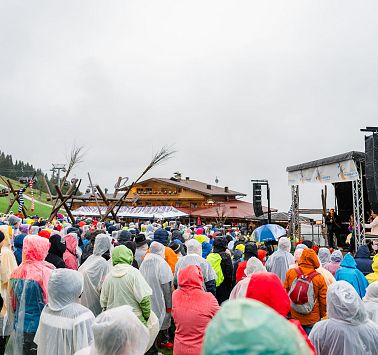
[[157, 273], [324, 256], [347, 330], [94, 271], [8, 264], [65, 325], [371, 301], [246, 327], [29, 292], [253, 265], [279, 262], [194, 257], [118, 331]]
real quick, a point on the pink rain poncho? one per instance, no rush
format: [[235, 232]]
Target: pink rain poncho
[[192, 310], [69, 256], [29, 284]]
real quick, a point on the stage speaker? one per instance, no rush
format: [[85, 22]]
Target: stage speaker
[[371, 170], [257, 207]]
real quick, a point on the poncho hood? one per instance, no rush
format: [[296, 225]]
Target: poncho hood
[[349, 262], [190, 277], [122, 255], [363, 252], [309, 259], [267, 288], [35, 248]]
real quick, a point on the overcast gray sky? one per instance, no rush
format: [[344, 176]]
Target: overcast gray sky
[[241, 88]]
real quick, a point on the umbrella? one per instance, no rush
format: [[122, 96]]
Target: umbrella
[[268, 232]]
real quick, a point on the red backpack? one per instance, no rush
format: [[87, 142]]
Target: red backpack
[[301, 292]]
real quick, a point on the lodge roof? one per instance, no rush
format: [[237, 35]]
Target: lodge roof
[[198, 186]]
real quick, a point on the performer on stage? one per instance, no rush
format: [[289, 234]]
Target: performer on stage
[[333, 228]]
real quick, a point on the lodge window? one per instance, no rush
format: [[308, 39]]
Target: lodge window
[[139, 190], [193, 205], [148, 190], [177, 204]]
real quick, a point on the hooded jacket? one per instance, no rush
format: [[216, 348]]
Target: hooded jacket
[[249, 252], [307, 264], [349, 272], [334, 264], [18, 245], [374, 275], [56, 251], [191, 322], [69, 256], [363, 261], [266, 287], [29, 282]]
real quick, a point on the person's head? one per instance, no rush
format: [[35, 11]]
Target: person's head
[[344, 304], [102, 244], [336, 256], [284, 244], [122, 255], [161, 236], [118, 331], [372, 293], [267, 288], [220, 244], [57, 245], [35, 248], [25, 228], [331, 212], [254, 265], [324, 255], [245, 326], [297, 254], [5, 235], [65, 287], [308, 243], [72, 242], [250, 251], [309, 258], [176, 247], [194, 247], [190, 277], [124, 236], [157, 249]]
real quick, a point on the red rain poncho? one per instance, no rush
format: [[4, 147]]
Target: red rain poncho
[[266, 287], [69, 256], [192, 310]]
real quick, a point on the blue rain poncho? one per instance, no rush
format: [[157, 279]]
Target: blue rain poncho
[[349, 272], [347, 330]]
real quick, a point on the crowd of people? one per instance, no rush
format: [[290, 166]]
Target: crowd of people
[[136, 288]]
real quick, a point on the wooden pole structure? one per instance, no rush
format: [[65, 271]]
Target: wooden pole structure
[[64, 202], [95, 195], [106, 201]]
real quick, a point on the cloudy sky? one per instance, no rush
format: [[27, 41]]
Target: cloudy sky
[[241, 89]]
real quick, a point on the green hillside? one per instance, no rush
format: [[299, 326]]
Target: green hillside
[[40, 210]]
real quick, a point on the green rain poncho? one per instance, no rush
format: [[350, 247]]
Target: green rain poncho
[[247, 327], [125, 285]]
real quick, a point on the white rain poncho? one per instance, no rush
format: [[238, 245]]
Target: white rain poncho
[[279, 262], [348, 330], [94, 271], [65, 325], [140, 252], [157, 273], [253, 265], [194, 257], [118, 331], [324, 256], [8, 264], [371, 301]]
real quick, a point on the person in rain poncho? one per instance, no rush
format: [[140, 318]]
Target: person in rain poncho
[[159, 277], [324, 256], [347, 331], [162, 236], [65, 325], [308, 263], [253, 265], [328, 277], [297, 255], [29, 294], [194, 257], [371, 301], [141, 248], [56, 251], [363, 261], [374, 275], [70, 257], [349, 272], [18, 244], [245, 326], [7, 265], [279, 262], [221, 262], [267, 288], [94, 271], [334, 264], [249, 252], [118, 331], [192, 310], [125, 285]]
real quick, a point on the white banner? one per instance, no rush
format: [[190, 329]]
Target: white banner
[[338, 172]]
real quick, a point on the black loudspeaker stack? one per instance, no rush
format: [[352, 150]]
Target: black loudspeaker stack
[[371, 170], [257, 200]]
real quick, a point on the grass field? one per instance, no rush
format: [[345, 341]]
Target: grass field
[[40, 210]]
